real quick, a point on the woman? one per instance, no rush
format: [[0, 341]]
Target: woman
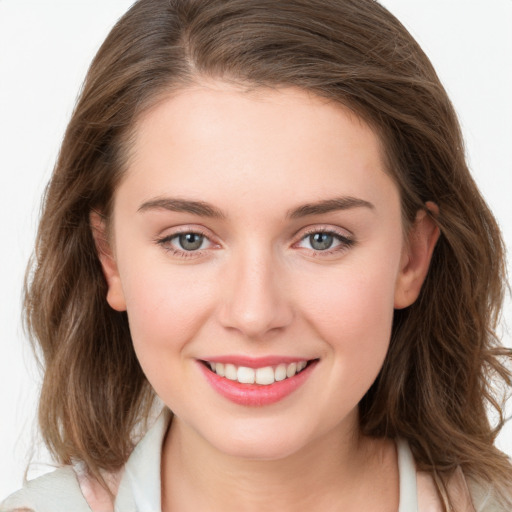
[[262, 213]]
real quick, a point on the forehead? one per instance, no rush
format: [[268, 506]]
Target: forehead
[[217, 139]]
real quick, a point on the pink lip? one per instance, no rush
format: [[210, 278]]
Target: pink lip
[[255, 394], [254, 362]]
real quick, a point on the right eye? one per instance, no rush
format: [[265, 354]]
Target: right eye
[[189, 241], [185, 243]]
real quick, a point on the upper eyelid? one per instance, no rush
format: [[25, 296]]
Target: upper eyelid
[[180, 230], [308, 230]]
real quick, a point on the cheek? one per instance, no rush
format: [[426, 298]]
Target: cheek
[[352, 310], [166, 307]]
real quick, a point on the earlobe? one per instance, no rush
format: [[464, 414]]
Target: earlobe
[[115, 295], [416, 256]]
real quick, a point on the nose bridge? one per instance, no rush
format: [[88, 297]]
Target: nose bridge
[[255, 300]]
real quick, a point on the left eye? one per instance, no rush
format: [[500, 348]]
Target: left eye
[[323, 240], [189, 241]]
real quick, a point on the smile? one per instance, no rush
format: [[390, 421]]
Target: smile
[[253, 384], [264, 376]]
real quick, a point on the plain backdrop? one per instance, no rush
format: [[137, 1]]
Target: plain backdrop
[[45, 49]]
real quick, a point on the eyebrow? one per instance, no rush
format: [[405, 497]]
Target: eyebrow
[[203, 209], [199, 208], [328, 205]]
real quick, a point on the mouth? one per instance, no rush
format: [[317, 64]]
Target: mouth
[[263, 376], [256, 383]]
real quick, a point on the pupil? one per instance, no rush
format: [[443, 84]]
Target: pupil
[[321, 241], [191, 241]]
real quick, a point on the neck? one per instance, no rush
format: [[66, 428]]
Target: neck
[[330, 473]]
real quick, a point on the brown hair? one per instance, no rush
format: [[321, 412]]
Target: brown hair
[[435, 384]]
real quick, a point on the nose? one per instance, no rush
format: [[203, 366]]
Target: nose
[[255, 299]]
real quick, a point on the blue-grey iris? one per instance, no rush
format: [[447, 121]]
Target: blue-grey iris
[[321, 241], [191, 241]]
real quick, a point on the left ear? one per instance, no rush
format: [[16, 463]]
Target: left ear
[[416, 256]]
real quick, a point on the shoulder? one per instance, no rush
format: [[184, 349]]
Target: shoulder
[[70, 489], [484, 498], [474, 495], [58, 491], [466, 494]]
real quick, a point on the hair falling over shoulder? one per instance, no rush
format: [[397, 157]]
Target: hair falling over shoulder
[[445, 366]]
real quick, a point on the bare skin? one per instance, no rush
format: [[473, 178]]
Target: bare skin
[[325, 477]]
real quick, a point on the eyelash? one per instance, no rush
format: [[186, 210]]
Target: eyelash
[[345, 242]]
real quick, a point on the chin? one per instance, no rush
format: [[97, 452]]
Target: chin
[[257, 442]]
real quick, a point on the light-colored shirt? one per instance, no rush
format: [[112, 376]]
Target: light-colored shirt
[[139, 487]]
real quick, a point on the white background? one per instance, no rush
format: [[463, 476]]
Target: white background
[[45, 48]]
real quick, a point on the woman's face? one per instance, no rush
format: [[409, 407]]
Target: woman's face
[[258, 232]]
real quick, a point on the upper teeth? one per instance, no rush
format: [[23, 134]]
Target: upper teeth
[[264, 376]]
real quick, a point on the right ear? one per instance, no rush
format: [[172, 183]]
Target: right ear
[[115, 295]]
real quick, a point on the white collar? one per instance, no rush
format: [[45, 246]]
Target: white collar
[[140, 486]]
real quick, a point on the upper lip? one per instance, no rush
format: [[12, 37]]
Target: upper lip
[[255, 362]]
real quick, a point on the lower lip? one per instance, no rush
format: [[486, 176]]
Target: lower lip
[[256, 395]]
